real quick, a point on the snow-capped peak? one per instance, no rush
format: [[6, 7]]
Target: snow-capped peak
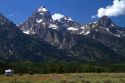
[[68, 18], [57, 16], [42, 9]]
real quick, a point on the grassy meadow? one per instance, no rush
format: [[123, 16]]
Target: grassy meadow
[[66, 78]]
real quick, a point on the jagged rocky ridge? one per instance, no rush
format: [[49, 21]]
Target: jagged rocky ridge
[[97, 41], [15, 46], [42, 20], [59, 38]]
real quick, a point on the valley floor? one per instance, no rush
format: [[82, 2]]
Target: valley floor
[[66, 78]]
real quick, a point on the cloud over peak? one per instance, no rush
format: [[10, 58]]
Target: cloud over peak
[[116, 9], [57, 16]]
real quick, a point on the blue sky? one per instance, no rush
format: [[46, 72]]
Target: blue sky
[[79, 10]]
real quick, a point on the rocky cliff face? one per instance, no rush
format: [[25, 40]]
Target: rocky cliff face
[[15, 46], [46, 37], [50, 28], [86, 42], [57, 29]]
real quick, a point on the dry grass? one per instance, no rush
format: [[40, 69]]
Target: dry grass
[[66, 78]]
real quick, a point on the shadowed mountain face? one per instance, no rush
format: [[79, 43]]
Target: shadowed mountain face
[[46, 37], [16, 46]]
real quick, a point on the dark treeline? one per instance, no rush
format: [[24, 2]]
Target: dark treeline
[[74, 67]]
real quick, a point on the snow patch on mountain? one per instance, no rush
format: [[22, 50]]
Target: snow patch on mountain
[[93, 26], [121, 32], [117, 35], [72, 29], [86, 33], [107, 29], [42, 9], [53, 26], [68, 18], [83, 27], [112, 25], [39, 21], [26, 32], [44, 24], [82, 32], [96, 30]]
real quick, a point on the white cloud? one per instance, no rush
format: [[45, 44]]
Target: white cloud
[[10, 15], [116, 9], [93, 16], [57, 16], [14, 14]]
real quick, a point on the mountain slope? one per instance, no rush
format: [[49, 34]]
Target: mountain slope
[[16, 46], [109, 34], [99, 41], [52, 28]]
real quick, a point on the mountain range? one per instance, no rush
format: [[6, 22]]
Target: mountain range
[[44, 37]]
